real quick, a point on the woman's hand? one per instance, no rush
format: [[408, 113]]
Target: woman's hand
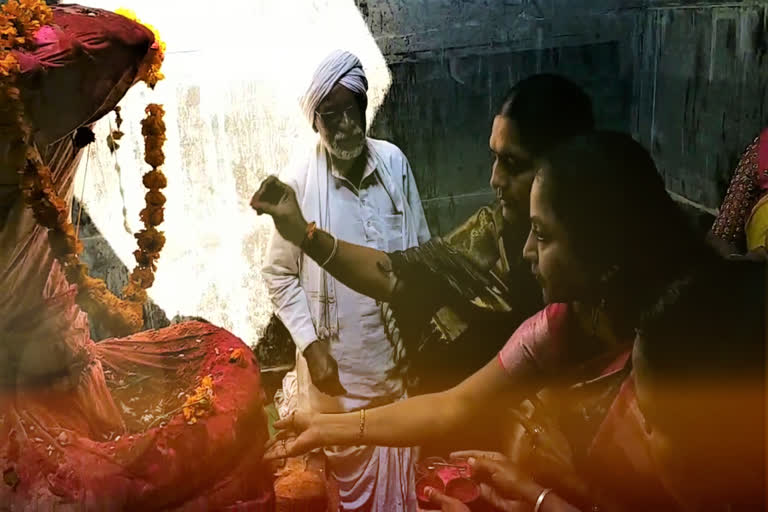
[[487, 493], [445, 502], [500, 474], [278, 200], [298, 435]]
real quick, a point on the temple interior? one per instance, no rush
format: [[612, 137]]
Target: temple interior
[[258, 254]]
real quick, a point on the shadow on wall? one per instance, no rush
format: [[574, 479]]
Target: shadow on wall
[[104, 264], [439, 112]]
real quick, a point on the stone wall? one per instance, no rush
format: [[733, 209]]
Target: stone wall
[[689, 80], [440, 113], [700, 90]]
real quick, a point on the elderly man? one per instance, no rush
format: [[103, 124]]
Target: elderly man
[[361, 190]]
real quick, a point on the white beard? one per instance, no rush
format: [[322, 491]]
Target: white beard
[[349, 154], [346, 154]]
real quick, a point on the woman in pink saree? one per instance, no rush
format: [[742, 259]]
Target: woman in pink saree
[[99, 426]]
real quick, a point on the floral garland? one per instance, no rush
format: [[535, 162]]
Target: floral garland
[[19, 20], [150, 240]]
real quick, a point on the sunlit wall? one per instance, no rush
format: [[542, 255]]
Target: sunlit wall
[[235, 70]]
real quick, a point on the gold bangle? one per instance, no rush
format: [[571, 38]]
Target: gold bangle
[[362, 424]]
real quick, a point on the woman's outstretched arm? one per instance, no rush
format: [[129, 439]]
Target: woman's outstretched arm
[[365, 270], [414, 421]]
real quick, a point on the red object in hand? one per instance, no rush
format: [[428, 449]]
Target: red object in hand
[[455, 480], [422, 484], [465, 490]]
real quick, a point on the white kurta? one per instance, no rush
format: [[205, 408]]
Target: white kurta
[[385, 213]]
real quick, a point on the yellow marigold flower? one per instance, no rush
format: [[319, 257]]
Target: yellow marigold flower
[[8, 64], [200, 402]]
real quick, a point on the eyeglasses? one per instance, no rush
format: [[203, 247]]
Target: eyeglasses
[[333, 119]]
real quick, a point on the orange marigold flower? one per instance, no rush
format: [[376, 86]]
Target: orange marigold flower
[[51, 211], [154, 157], [145, 259], [200, 402], [155, 180], [150, 240], [75, 271], [143, 276], [152, 215], [8, 64], [155, 109], [64, 242], [154, 198], [153, 127], [133, 292]]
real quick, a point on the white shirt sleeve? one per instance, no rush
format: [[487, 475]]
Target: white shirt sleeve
[[281, 275], [414, 201]]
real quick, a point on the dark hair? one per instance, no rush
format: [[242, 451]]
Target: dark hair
[[547, 109], [710, 325], [702, 351], [630, 236]]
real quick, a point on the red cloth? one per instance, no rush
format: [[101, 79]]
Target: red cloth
[[82, 424], [89, 58], [60, 455]]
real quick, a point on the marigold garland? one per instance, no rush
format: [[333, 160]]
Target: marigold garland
[[149, 239], [19, 20]]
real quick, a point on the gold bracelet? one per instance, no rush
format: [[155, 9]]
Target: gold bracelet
[[362, 423]]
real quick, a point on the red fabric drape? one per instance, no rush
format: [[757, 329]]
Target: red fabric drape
[[99, 426]]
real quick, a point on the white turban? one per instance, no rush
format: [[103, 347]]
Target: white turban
[[338, 67]]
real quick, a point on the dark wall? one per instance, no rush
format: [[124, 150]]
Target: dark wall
[[440, 113], [689, 80], [701, 90]]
